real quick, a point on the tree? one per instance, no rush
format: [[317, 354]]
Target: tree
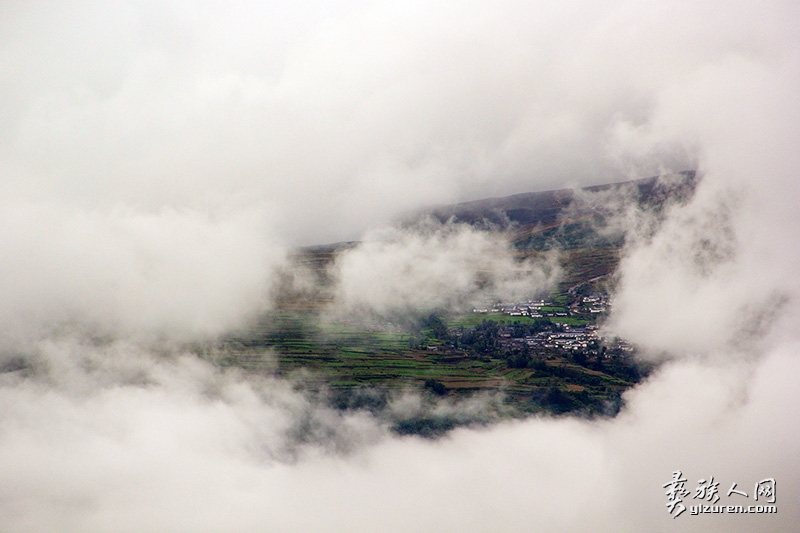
[[518, 360], [436, 387], [437, 326]]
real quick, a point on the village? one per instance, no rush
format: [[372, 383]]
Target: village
[[542, 329]]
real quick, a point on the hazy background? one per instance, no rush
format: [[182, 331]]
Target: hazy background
[[158, 160]]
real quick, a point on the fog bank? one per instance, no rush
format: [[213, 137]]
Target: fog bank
[[157, 161]]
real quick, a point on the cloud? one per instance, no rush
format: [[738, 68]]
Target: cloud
[[210, 445], [725, 262], [354, 114], [174, 273], [157, 161], [435, 266]]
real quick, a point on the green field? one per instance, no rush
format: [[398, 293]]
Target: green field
[[529, 365], [340, 357]]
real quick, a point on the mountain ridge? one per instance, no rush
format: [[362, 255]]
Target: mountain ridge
[[536, 213]]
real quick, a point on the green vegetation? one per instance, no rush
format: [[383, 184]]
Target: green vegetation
[[439, 356], [550, 364], [473, 319], [553, 363]]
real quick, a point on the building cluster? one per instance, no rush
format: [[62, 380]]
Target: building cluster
[[531, 308], [569, 338], [593, 304], [588, 305], [564, 337]]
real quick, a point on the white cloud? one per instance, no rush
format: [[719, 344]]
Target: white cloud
[[104, 458], [156, 159], [434, 266], [725, 262], [175, 273]]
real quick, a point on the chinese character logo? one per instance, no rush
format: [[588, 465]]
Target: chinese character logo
[[733, 490], [707, 490], [765, 489], [676, 490], [709, 495]]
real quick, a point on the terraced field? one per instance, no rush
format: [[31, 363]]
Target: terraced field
[[352, 358], [344, 358]]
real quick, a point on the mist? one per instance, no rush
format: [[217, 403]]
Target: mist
[[435, 266], [159, 162]]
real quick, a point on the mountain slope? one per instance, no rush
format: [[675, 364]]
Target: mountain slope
[[567, 218]]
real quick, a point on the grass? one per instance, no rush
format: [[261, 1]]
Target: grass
[[472, 320], [569, 321], [384, 360], [346, 358]]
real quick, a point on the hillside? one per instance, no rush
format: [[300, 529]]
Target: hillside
[[568, 218], [525, 357], [577, 222]]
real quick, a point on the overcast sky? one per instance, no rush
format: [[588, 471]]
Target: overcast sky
[[334, 116], [158, 159]]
